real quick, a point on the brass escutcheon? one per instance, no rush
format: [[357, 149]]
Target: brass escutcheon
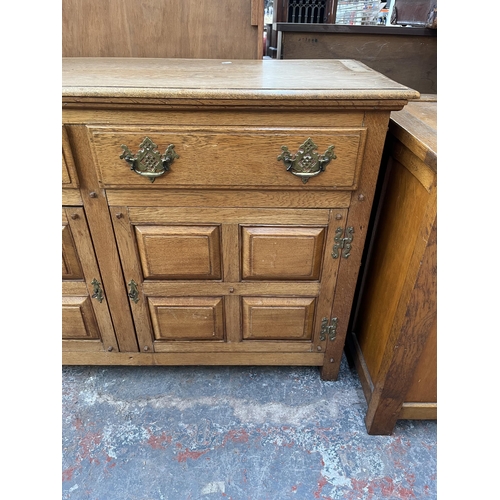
[[133, 291]]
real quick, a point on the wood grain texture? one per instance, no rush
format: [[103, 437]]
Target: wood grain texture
[[187, 318], [398, 364], [71, 267], [401, 218], [91, 308], [394, 327], [204, 153], [228, 198], [282, 253], [203, 81], [103, 239], [193, 359], [167, 28], [273, 318], [416, 128], [358, 217], [179, 252], [132, 271], [69, 176]]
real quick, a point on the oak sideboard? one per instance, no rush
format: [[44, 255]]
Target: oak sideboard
[[215, 211]]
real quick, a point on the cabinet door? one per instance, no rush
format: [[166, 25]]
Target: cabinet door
[[86, 323], [229, 280]]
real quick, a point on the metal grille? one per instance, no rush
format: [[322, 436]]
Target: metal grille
[[307, 11], [357, 12]]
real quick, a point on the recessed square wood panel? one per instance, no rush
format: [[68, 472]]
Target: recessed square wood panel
[[69, 178], [282, 253], [71, 267], [78, 320], [276, 318], [179, 252], [187, 318]]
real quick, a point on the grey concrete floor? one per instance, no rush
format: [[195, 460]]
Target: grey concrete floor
[[259, 433]]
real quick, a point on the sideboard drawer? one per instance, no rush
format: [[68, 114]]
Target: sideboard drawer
[[230, 156]]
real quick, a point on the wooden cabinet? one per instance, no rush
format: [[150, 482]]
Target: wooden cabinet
[[86, 322], [393, 333], [227, 203], [229, 29]]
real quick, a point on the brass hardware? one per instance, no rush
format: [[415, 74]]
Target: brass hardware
[[361, 197], [146, 348], [318, 348], [331, 360], [306, 163], [119, 215], [75, 216], [110, 348], [133, 291], [93, 194], [344, 243], [148, 162], [330, 330], [231, 289], [98, 295], [338, 216]]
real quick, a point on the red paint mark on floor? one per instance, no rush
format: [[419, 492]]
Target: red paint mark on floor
[[236, 436], [194, 455], [157, 442], [88, 444], [379, 488], [321, 484], [67, 474], [294, 488]]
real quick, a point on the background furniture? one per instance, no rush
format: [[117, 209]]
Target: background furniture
[[231, 29], [406, 55], [246, 247], [392, 338], [402, 47]]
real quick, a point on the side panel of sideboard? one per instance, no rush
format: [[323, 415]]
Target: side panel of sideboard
[[392, 337]]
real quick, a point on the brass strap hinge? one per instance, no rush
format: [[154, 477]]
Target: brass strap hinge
[[330, 330], [344, 243], [98, 294]]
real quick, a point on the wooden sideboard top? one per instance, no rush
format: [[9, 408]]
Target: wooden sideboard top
[[268, 80], [416, 127]]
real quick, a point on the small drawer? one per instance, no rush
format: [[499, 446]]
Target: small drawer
[[224, 157]]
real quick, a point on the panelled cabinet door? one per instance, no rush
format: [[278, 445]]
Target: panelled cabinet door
[[229, 280], [86, 322]]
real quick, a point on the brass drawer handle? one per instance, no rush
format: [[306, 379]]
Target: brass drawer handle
[[148, 162], [306, 163]]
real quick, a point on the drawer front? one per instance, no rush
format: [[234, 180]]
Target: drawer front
[[223, 157]]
